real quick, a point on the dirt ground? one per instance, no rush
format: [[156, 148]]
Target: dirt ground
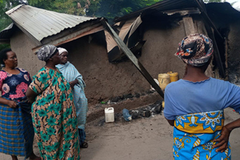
[[140, 139]]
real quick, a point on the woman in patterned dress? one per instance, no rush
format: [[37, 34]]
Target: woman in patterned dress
[[53, 111], [16, 128], [194, 105]]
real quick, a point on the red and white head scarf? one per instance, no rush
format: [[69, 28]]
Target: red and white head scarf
[[195, 49]]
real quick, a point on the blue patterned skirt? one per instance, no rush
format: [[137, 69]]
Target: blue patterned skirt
[[193, 136], [16, 130]]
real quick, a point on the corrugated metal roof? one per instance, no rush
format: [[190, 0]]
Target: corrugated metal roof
[[42, 23]]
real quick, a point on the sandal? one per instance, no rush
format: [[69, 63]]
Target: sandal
[[84, 145]]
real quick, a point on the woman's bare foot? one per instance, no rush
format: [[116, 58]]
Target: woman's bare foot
[[34, 157], [14, 157]]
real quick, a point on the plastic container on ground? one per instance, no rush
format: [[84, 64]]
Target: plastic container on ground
[[164, 80], [173, 76], [163, 104], [109, 114], [126, 115]]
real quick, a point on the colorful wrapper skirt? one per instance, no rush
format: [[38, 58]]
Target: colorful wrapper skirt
[[193, 136], [16, 130]]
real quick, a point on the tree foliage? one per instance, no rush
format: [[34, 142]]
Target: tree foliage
[[74, 7], [5, 5], [101, 8], [117, 8]]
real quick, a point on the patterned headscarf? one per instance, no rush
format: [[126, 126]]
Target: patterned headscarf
[[195, 49], [46, 52], [61, 50]]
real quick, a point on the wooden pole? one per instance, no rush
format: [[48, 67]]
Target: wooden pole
[[132, 57]]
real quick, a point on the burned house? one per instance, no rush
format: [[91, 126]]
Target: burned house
[[152, 34], [159, 28], [227, 21]]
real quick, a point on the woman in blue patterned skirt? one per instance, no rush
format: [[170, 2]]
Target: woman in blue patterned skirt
[[194, 105], [16, 128]]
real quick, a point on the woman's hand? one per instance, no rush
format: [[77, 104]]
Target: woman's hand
[[222, 140], [73, 83], [31, 95], [12, 104], [171, 122]]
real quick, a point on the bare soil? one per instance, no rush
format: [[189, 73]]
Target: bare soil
[[140, 139]]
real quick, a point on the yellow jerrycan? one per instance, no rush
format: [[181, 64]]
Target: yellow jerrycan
[[164, 80], [173, 76]]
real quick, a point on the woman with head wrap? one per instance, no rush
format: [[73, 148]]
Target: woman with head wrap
[[75, 79], [16, 128], [194, 105], [53, 111]]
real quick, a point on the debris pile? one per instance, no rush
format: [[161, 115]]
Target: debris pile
[[143, 112], [147, 111], [114, 100]]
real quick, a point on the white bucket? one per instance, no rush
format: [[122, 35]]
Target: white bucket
[[109, 114]]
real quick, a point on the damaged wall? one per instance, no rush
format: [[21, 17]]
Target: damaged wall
[[234, 53], [22, 45], [161, 45], [227, 21], [106, 80], [159, 49]]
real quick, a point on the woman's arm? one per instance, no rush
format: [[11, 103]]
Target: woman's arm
[[225, 134], [171, 122], [78, 77], [10, 103], [31, 95]]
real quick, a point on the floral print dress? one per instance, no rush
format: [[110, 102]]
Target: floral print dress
[[16, 128], [54, 116]]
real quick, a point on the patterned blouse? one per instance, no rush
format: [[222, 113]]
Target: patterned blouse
[[14, 86]]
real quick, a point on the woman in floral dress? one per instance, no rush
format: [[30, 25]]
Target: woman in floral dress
[[53, 111], [16, 128]]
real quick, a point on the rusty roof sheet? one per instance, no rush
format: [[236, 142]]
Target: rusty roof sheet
[[42, 23]]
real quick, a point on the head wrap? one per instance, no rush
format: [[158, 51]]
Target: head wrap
[[46, 52], [61, 50], [195, 49]]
